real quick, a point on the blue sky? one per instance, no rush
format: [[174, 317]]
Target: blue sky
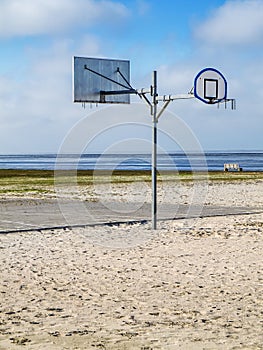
[[176, 38]]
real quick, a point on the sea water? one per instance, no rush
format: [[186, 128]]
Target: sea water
[[212, 161]]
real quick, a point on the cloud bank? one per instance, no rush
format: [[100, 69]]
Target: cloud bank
[[34, 17], [237, 23]]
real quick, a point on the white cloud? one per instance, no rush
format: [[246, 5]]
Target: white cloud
[[235, 23], [37, 109], [176, 79], [33, 17], [142, 7]]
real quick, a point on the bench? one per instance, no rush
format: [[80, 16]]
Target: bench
[[232, 166]]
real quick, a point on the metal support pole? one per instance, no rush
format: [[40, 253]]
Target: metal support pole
[[154, 152]]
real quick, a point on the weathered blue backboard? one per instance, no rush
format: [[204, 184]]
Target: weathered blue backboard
[[92, 76]]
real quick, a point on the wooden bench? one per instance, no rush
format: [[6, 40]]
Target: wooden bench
[[232, 166]]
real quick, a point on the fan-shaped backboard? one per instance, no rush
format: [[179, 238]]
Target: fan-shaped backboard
[[210, 86]]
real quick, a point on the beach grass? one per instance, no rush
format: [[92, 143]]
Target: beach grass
[[42, 181], [46, 177]]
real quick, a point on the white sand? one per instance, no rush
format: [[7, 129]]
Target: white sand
[[192, 284]]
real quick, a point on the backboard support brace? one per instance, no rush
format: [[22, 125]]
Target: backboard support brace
[[129, 89]]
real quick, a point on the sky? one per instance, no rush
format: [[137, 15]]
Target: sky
[[176, 38]]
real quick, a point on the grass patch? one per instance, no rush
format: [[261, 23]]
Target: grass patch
[[43, 180], [235, 176]]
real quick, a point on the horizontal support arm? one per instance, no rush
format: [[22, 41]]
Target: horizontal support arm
[[118, 92], [123, 92], [174, 97]]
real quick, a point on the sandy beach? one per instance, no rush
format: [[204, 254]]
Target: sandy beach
[[195, 283]]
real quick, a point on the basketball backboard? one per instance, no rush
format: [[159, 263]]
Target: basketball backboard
[[210, 86], [93, 76]]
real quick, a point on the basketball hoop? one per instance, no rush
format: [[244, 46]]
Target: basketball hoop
[[210, 86], [97, 80]]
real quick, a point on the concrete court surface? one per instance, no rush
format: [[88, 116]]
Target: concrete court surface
[[34, 214]]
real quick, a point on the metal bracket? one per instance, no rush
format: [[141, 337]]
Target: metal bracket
[[232, 100], [163, 108]]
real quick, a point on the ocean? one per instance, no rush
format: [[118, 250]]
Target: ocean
[[212, 161]]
